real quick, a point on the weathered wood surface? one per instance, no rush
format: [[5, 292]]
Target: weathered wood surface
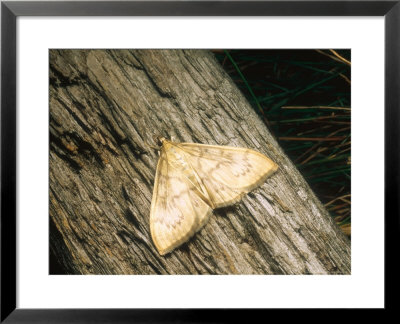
[[105, 109]]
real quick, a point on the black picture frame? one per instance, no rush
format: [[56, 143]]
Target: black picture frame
[[9, 13]]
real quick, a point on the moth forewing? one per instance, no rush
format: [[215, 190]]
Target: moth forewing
[[192, 179], [177, 210], [227, 172]]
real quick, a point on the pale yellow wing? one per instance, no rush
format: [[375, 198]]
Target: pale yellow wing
[[177, 211], [227, 172]]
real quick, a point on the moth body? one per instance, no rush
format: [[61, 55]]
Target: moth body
[[192, 180]]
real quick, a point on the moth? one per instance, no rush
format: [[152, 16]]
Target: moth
[[193, 179]]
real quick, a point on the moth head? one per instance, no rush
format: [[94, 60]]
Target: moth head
[[159, 140]]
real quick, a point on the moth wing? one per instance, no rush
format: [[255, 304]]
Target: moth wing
[[228, 172], [177, 211]]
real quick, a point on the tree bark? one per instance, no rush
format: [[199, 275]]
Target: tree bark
[[106, 107]]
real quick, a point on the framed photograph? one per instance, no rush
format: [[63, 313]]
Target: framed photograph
[[174, 155]]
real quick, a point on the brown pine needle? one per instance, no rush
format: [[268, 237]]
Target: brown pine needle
[[335, 132], [337, 207], [343, 151], [319, 139], [332, 122], [340, 57], [320, 150], [307, 151], [331, 56], [341, 197], [345, 200], [345, 78], [346, 228], [340, 218], [316, 107], [324, 127]]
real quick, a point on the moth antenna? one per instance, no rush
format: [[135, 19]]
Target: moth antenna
[[158, 140]]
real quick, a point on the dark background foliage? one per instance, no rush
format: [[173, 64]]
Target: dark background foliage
[[304, 97]]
